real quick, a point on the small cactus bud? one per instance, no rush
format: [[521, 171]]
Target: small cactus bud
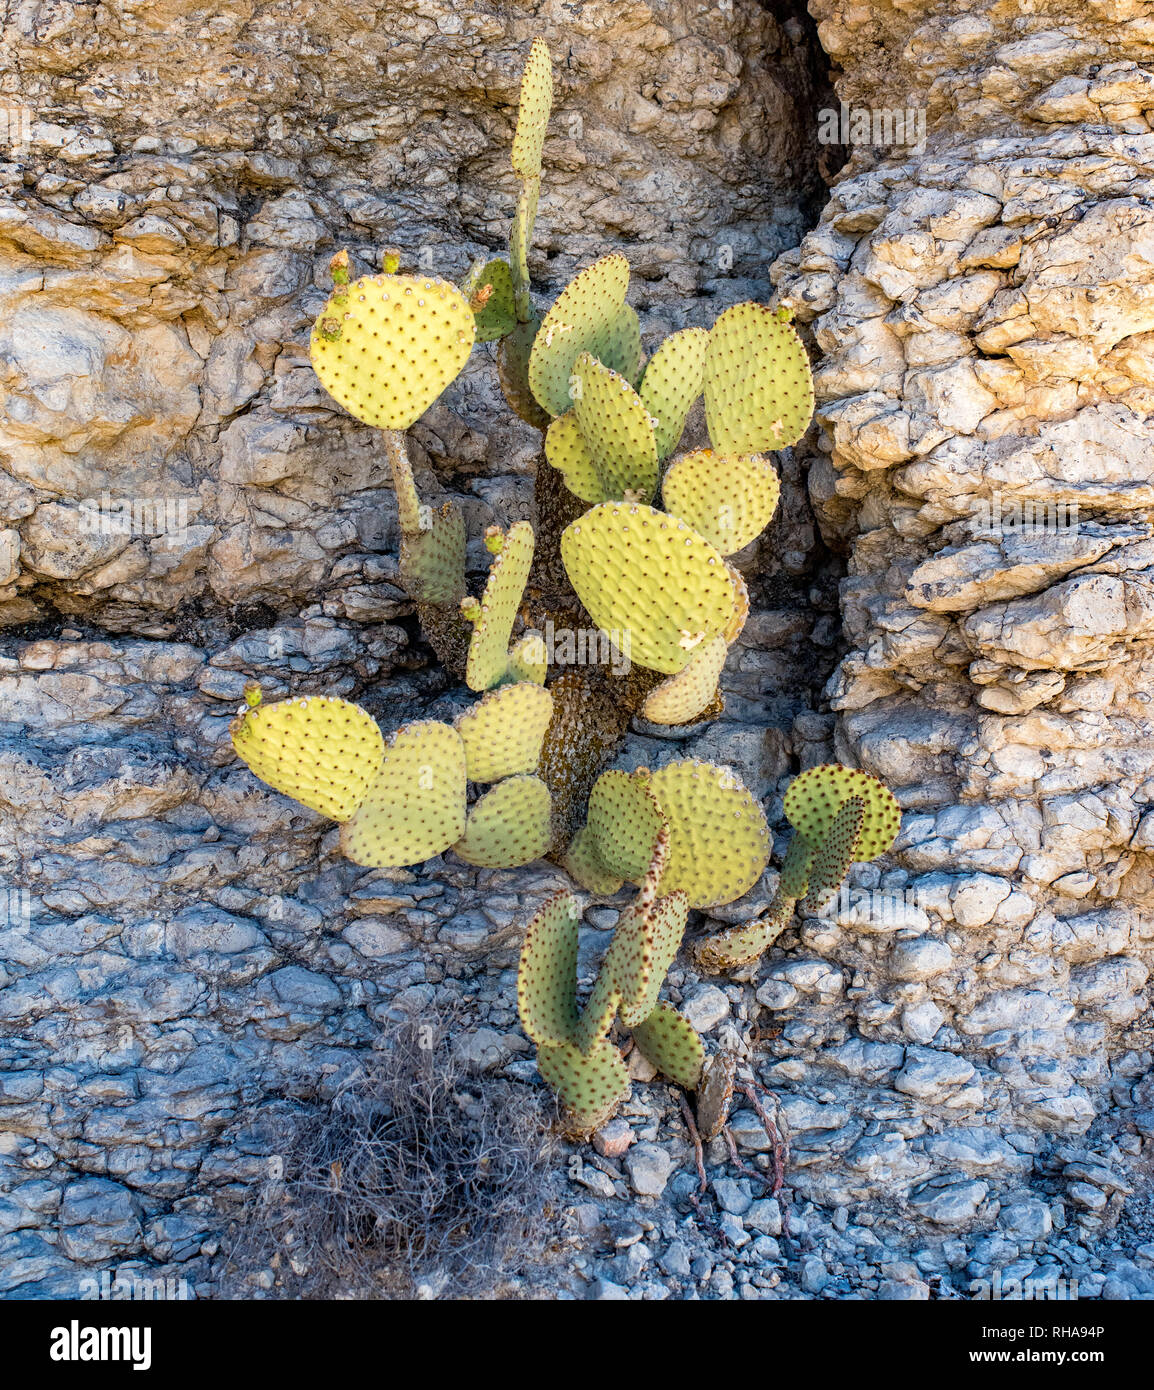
[[471, 609], [339, 268], [494, 540], [390, 260], [252, 695], [480, 297], [330, 330]]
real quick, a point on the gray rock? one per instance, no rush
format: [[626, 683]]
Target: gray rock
[[649, 1167]]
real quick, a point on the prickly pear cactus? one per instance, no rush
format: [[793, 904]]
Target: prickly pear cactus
[[815, 798], [585, 318], [509, 826], [674, 377], [494, 616], [504, 730], [758, 387], [728, 499]]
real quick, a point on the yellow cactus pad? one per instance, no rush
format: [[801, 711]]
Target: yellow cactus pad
[[728, 499], [386, 346], [533, 111], [666, 923], [509, 826], [617, 430], [624, 820], [547, 976], [670, 1043], [672, 382], [758, 387], [584, 318], [719, 840], [415, 807], [323, 753], [489, 647], [818, 794], [567, 451], [683, 696], [513, 373], [590, 1087], [584, 863], [740, 607], [503, 731], [641, 571]]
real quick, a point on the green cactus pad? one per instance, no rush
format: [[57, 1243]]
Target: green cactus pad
[[728, 499], [323, 753], [743, 944], [433, 558], [835, 854], [489, 649], [584, 863], [818, 794], [666, 923], [683, 696], [547, 976], [624, 821], [671, 1044], [620, 347], [513, 352], [794, 883], [673, 380], [386, 346], [528, 659], [503, 731], [758, 388], [567, 451], [509, 826], [489, 290], [718, 836], [583, 319], [590, 1088], [616, 429], [536, 101], [641, 571], [622, 979], [415, 807]]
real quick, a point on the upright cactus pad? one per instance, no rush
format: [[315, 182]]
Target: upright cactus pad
[[835, 854], [794, 882], [489, 291], [671, 1044], [623, 978], [666, 923], [433, 557], [818, 794], [672, 382], [641, 571], [728, 499], [582, 860], [719, 840], [509, 826], [528, 659], [508, 574], [503, 731], [590, 1087], [323, 753], [567, 452], [386, 346], [758, 388], [583, 319], [547, 978], [624, 821], [620, 348], [683, 696], [534, 106], [415, 807], [616, 428], [513, 353]]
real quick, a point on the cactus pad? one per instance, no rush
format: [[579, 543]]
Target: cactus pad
[[513, 353], [489, 290], [666, 924], [567, 451], [743, 944], [794, 883], [835, 854], [415, 807], [620, 347], [816, 796], [718, 837], [509, 826], [671, 1044], [503, 731], [758, 388], [624, 821], [622, 979], [590, 1087], [536, 101], [740, 606], [640, 571], [728, 499], [528, 659], [683, 696], [672, 382], [386, 346], [323, 753], [433, 557], [584, 863], [489, 649], [547, 976], [616, 429], [583, 319]]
